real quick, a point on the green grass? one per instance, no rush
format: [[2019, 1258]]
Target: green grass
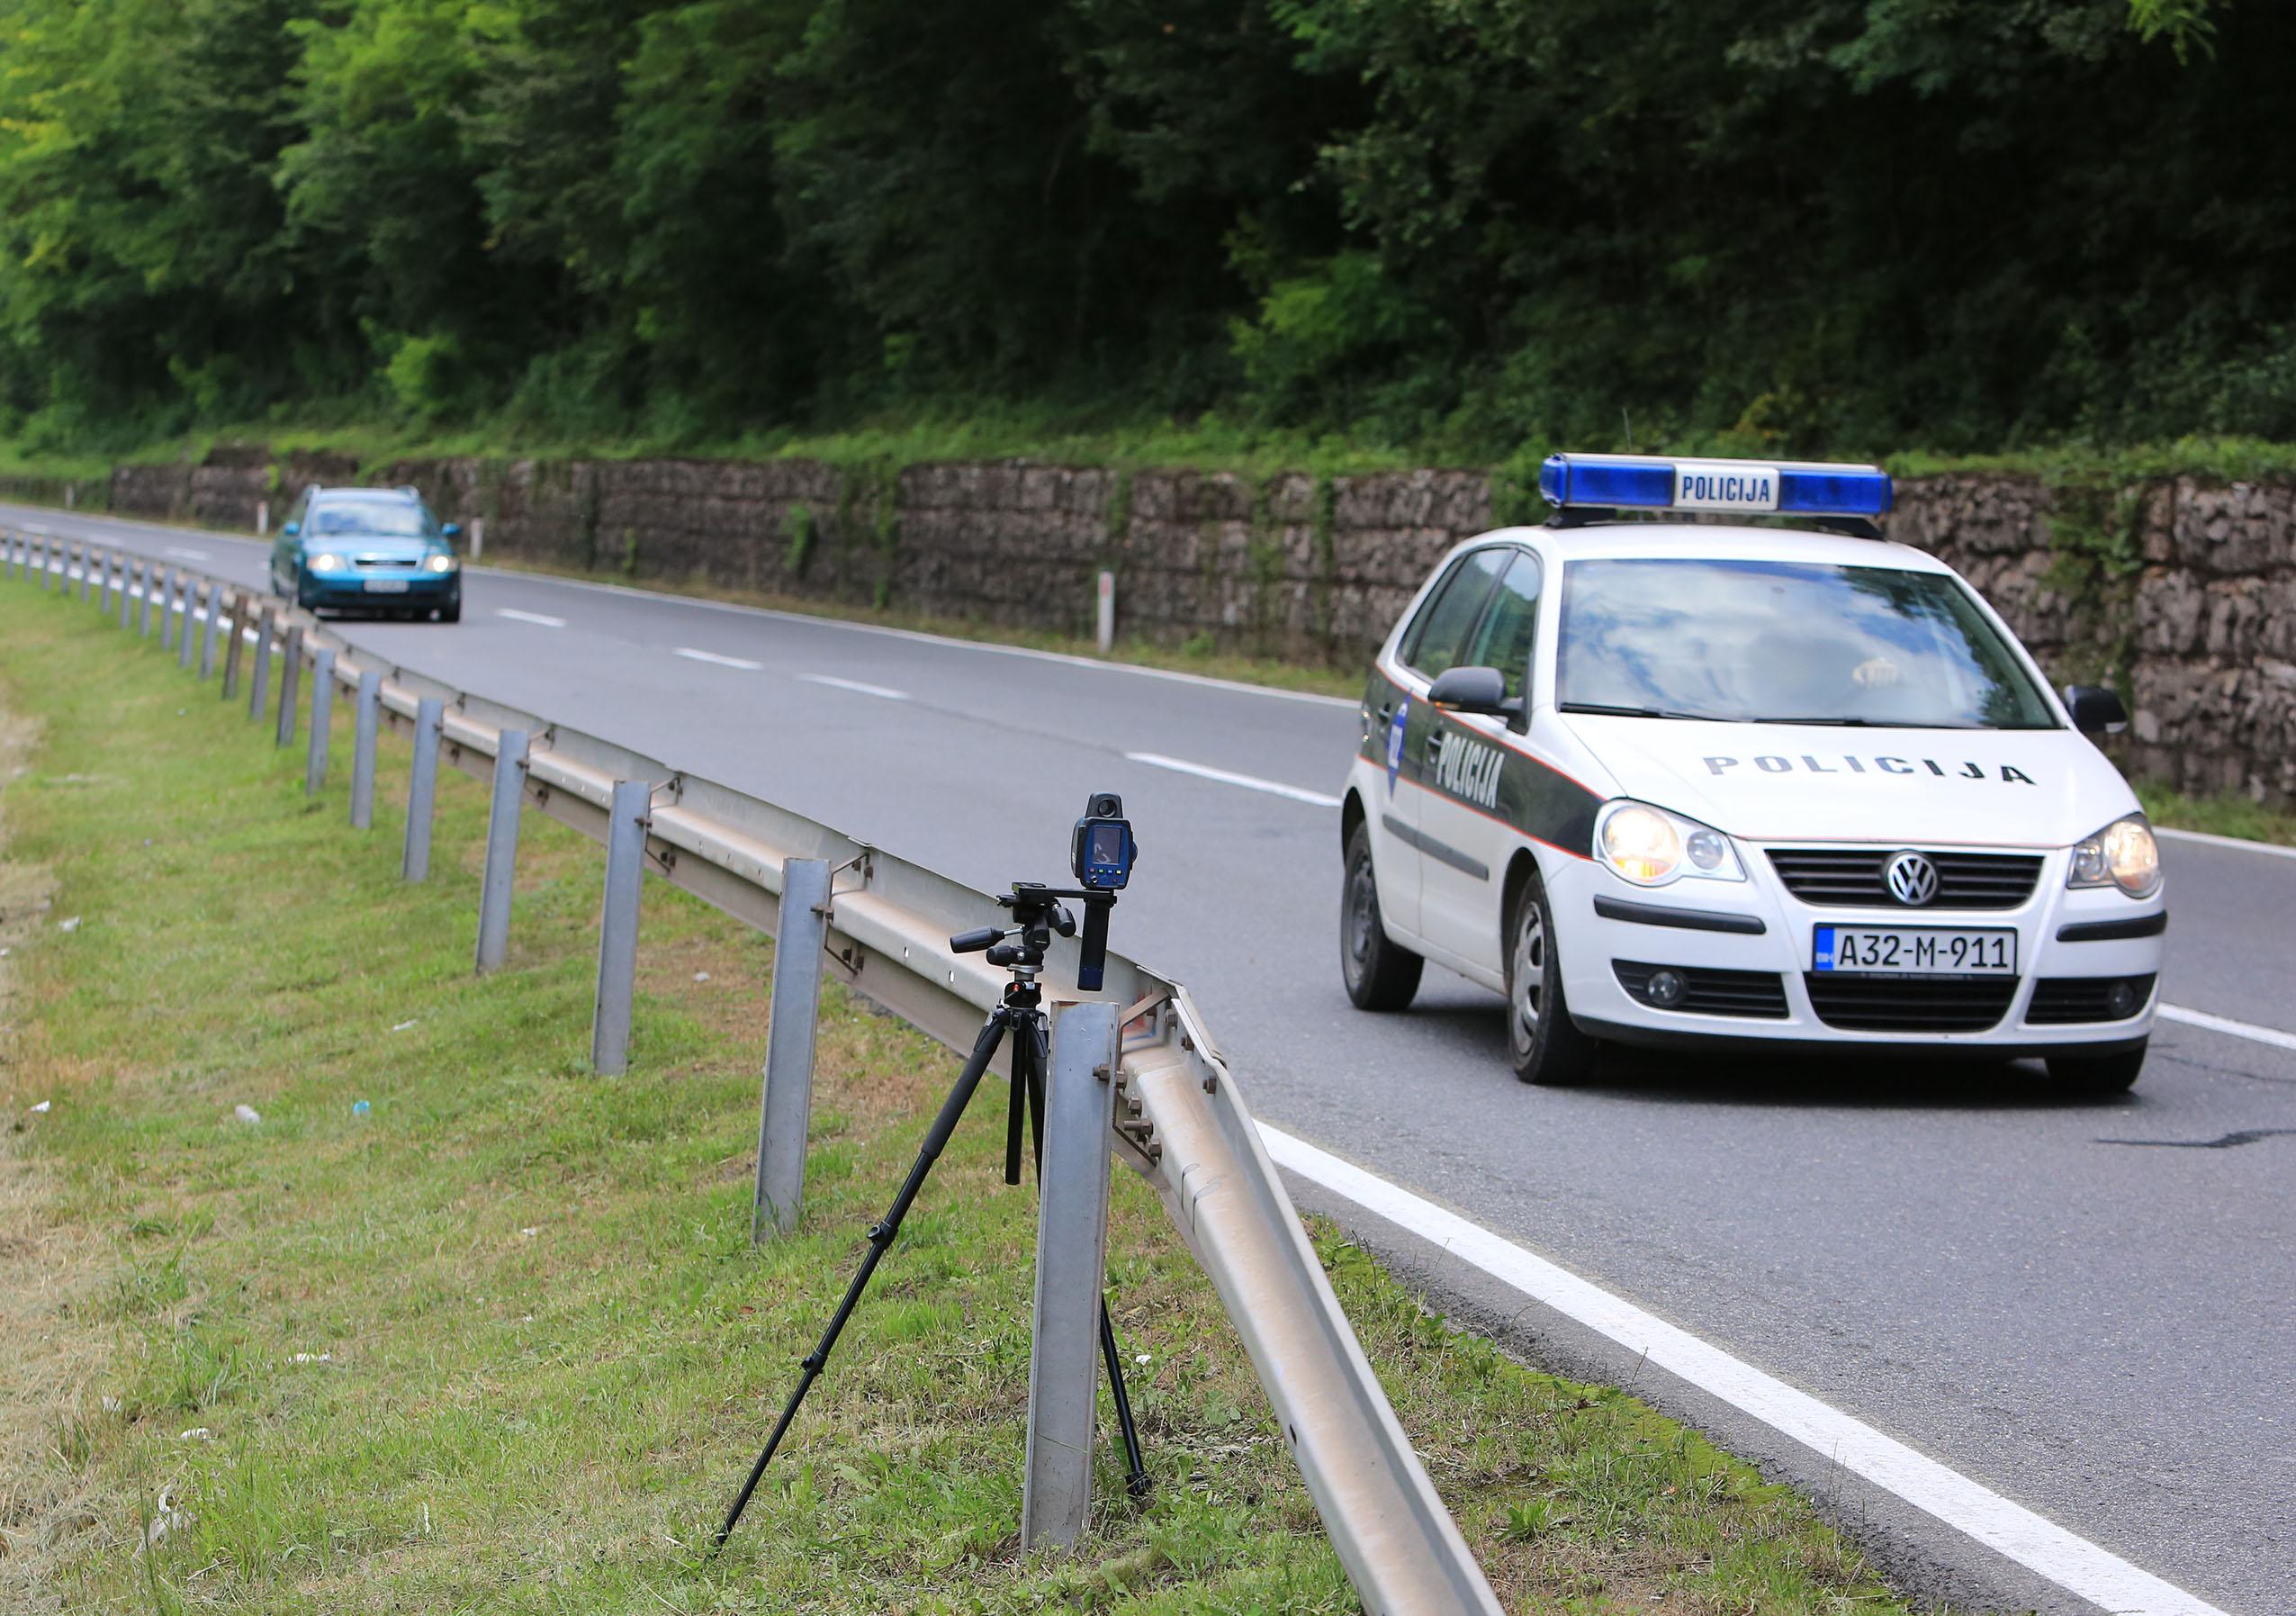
[[549, 1348], [2225, 814]]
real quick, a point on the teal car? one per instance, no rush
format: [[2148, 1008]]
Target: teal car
[[379, 551]]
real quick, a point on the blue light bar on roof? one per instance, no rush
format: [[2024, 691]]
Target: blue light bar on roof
[[1744, 486]]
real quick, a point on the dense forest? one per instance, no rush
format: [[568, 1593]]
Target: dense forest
[[1463, 225]]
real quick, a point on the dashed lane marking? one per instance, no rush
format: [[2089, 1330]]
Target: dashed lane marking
[[1227, 777], [854, 685], [539, 619], [715, 661]]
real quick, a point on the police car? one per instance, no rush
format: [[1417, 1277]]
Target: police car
[[1693, 783]]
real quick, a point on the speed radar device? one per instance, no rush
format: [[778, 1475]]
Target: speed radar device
[[1101, 855], [1102, 850]]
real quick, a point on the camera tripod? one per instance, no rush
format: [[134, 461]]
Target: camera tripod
[[1037, 915]]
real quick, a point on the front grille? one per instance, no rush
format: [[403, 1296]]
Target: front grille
[[1854, 875], [1881, 1004], [1706, 991], [2061, 1000], [380, 561]]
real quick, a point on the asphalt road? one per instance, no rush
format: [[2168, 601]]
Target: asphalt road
[[2089, 1307]]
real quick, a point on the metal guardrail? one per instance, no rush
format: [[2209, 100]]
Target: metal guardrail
[[1180, 1117]]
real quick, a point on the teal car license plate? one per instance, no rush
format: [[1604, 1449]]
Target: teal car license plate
[[1914, 950], [386, 586]]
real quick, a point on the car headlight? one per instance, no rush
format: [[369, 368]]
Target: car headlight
[[326, 562], [439, 563], [2122, 854], [1652, 847]]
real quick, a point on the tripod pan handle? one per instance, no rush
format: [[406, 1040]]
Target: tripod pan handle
[[972, 942]]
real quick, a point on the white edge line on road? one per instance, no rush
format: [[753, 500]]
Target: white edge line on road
[[2039, 1545], [712, 657], [1250, 782], [181, 553], [854, 685], [2207, 838], [1171, 675], [2231, 1028], [539, 619]]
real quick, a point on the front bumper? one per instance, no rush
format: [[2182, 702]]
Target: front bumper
[[348, 592], [2088, 966]]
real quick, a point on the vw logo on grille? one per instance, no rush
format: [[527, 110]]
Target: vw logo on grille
[[1913, 879]]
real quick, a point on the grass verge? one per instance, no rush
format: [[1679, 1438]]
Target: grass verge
[[2220, 816], [497, 1339]]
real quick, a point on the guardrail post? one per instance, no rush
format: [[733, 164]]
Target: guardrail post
[[786, 1112], [322, 720], [422, 787], [170, 588], [259, 687], [147, 583], [47, 571], [368, 716], [115, 577], [291, 674], [618, 930], [12, 539], [500, 874], [127, 589], [1071, 1269], [234, 638], [87, 556], [210, 599]]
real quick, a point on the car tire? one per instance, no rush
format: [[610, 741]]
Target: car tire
[[1543, 1044], [2098, 1075], [452, 614], [1379, 973]]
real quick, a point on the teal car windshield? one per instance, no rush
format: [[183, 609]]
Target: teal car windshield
[[371, 518], [1780, 642]]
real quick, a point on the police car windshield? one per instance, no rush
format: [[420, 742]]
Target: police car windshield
[[379, 519], [1785, 642]]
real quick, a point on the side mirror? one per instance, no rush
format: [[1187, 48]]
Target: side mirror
[[291, 529], [2096, 709], [1471, 691], [451, 530]]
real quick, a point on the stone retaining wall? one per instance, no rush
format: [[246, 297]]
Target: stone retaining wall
[[2181, 593]]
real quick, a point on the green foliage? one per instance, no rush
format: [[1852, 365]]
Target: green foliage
[[1465, 228], [799, 529]]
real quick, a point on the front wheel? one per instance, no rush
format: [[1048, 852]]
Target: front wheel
[[2101, 1076], [1380, 974], [452, 614], [1543, 1045]]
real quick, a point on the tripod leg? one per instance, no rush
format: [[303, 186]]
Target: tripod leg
[[1032, 1045], [1136, 1476], [880, 1237]]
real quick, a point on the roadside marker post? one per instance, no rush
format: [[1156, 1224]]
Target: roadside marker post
[[259, 686], [499, 875], [1071, 1271], [785, 1111], [368, 718], [422, 789], [263, 518], [1104, 628], [617, 930], [234, 638], [291, 674], [322, 720]]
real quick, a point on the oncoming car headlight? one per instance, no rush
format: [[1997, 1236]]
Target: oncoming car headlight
[[439, 563], [2122, 854], [326, 562], [1652, 847]]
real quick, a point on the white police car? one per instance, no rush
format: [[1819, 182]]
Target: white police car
[[1675, 783]]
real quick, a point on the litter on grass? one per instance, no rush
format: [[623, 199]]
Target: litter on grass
[[403, 1025], [360, 1107], [247, 1113], [72, 925], [312, 1358], [43, 1106]]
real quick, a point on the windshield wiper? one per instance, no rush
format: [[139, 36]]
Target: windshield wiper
[[1642, 712]]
